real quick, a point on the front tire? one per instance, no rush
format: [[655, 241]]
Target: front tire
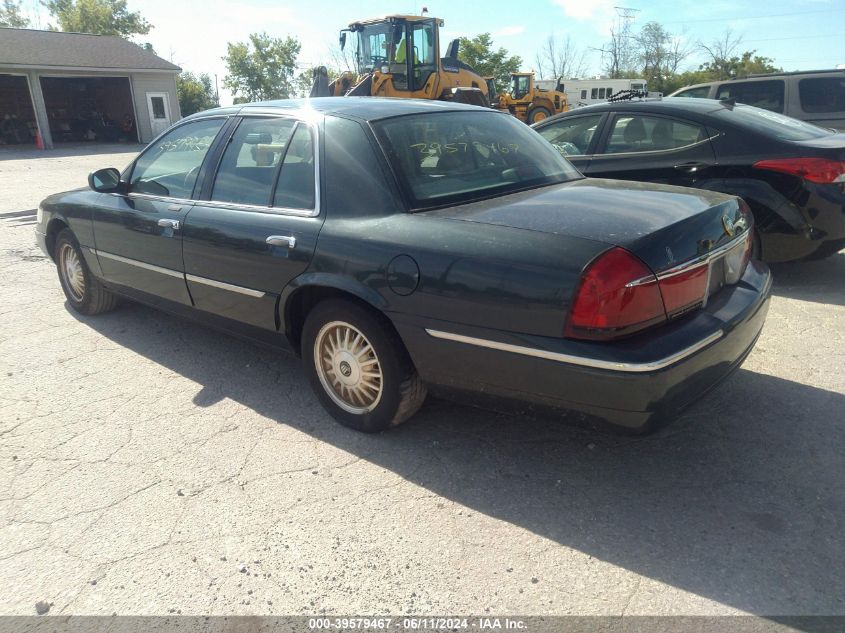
[[359, 368], [83, 291], [538, 114]]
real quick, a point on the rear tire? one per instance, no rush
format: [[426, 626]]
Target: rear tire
[[83, 291], [359, 368]]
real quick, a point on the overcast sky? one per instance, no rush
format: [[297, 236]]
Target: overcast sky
[[798, 34]]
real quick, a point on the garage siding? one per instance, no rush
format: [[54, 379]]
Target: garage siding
[[142, 83]]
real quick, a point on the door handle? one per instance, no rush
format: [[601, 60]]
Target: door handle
[[169, 224], [281, 240], [692, 167]]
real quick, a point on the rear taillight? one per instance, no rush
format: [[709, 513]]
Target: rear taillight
[[684, 290], [819, 170], [618, 295]]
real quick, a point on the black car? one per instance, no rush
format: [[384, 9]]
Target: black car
[[402, 245], [791, 173]]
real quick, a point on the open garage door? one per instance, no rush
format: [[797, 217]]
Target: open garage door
[[17, 116], [93, 109]]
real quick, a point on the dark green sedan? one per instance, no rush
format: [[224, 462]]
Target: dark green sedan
[[404, 246]]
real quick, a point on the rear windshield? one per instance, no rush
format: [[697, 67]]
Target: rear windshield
[[451, 157], [771, 124]]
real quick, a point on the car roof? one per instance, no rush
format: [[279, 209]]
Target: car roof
[[666, 105], [363, 108]]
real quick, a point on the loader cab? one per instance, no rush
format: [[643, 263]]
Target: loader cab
[[405, 47], [521, 85]]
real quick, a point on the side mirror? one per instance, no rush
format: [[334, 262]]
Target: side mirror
[[342, 39], [104, 180]]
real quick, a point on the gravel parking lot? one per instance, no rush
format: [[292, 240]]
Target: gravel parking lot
[[149, 465]]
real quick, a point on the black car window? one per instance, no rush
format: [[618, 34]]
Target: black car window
[[169, 167], [760, 94], [451, 157], [571, 136], [249, 165], [695, 93], [770, 124], [635, 133], [295, 187], [822, 94]]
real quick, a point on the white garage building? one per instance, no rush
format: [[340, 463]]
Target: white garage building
[[77, 87]]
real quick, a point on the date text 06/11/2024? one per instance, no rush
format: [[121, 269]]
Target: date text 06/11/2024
[[416, 624]]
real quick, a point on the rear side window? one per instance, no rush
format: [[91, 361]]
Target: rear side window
[[822, 94], [695, 93], [767, 95], [268, 162], [649, 134]]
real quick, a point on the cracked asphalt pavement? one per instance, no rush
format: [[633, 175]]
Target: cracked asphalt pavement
[[149, 465]]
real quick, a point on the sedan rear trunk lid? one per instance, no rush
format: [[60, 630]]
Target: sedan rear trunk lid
[[663, 225]]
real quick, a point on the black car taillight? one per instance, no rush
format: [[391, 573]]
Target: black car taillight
[[819, 170], [618, 295]]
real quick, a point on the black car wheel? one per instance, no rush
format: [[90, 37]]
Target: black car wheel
[[83, 291], [538, 114], [358, 367]]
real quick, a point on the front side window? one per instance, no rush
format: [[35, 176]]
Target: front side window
[[264, 159], [760, 94], [635, 133], [170, 167], [453, 157], [572, 136], [822, 94]]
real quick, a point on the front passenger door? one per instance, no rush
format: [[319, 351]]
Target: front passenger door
[[574, 137], [138, 234], [653, 148]]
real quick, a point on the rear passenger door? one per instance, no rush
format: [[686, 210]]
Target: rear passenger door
[[256, 225], [653, 148]]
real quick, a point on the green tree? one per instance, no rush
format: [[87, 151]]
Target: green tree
[[196, 92], [262, 68], [478, 53], [102, 17], [749, 63], [10, 15], [660, 54]]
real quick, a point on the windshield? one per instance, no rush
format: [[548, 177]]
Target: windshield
[[377, 46], [452, 157], [771, 124]]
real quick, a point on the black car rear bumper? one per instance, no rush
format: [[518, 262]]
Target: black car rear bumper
[[631, 383]]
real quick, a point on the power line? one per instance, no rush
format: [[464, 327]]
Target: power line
[[796, 37], [754, 17]]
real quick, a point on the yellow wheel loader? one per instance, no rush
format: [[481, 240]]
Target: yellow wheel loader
[[399, 56], [528, 103]]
